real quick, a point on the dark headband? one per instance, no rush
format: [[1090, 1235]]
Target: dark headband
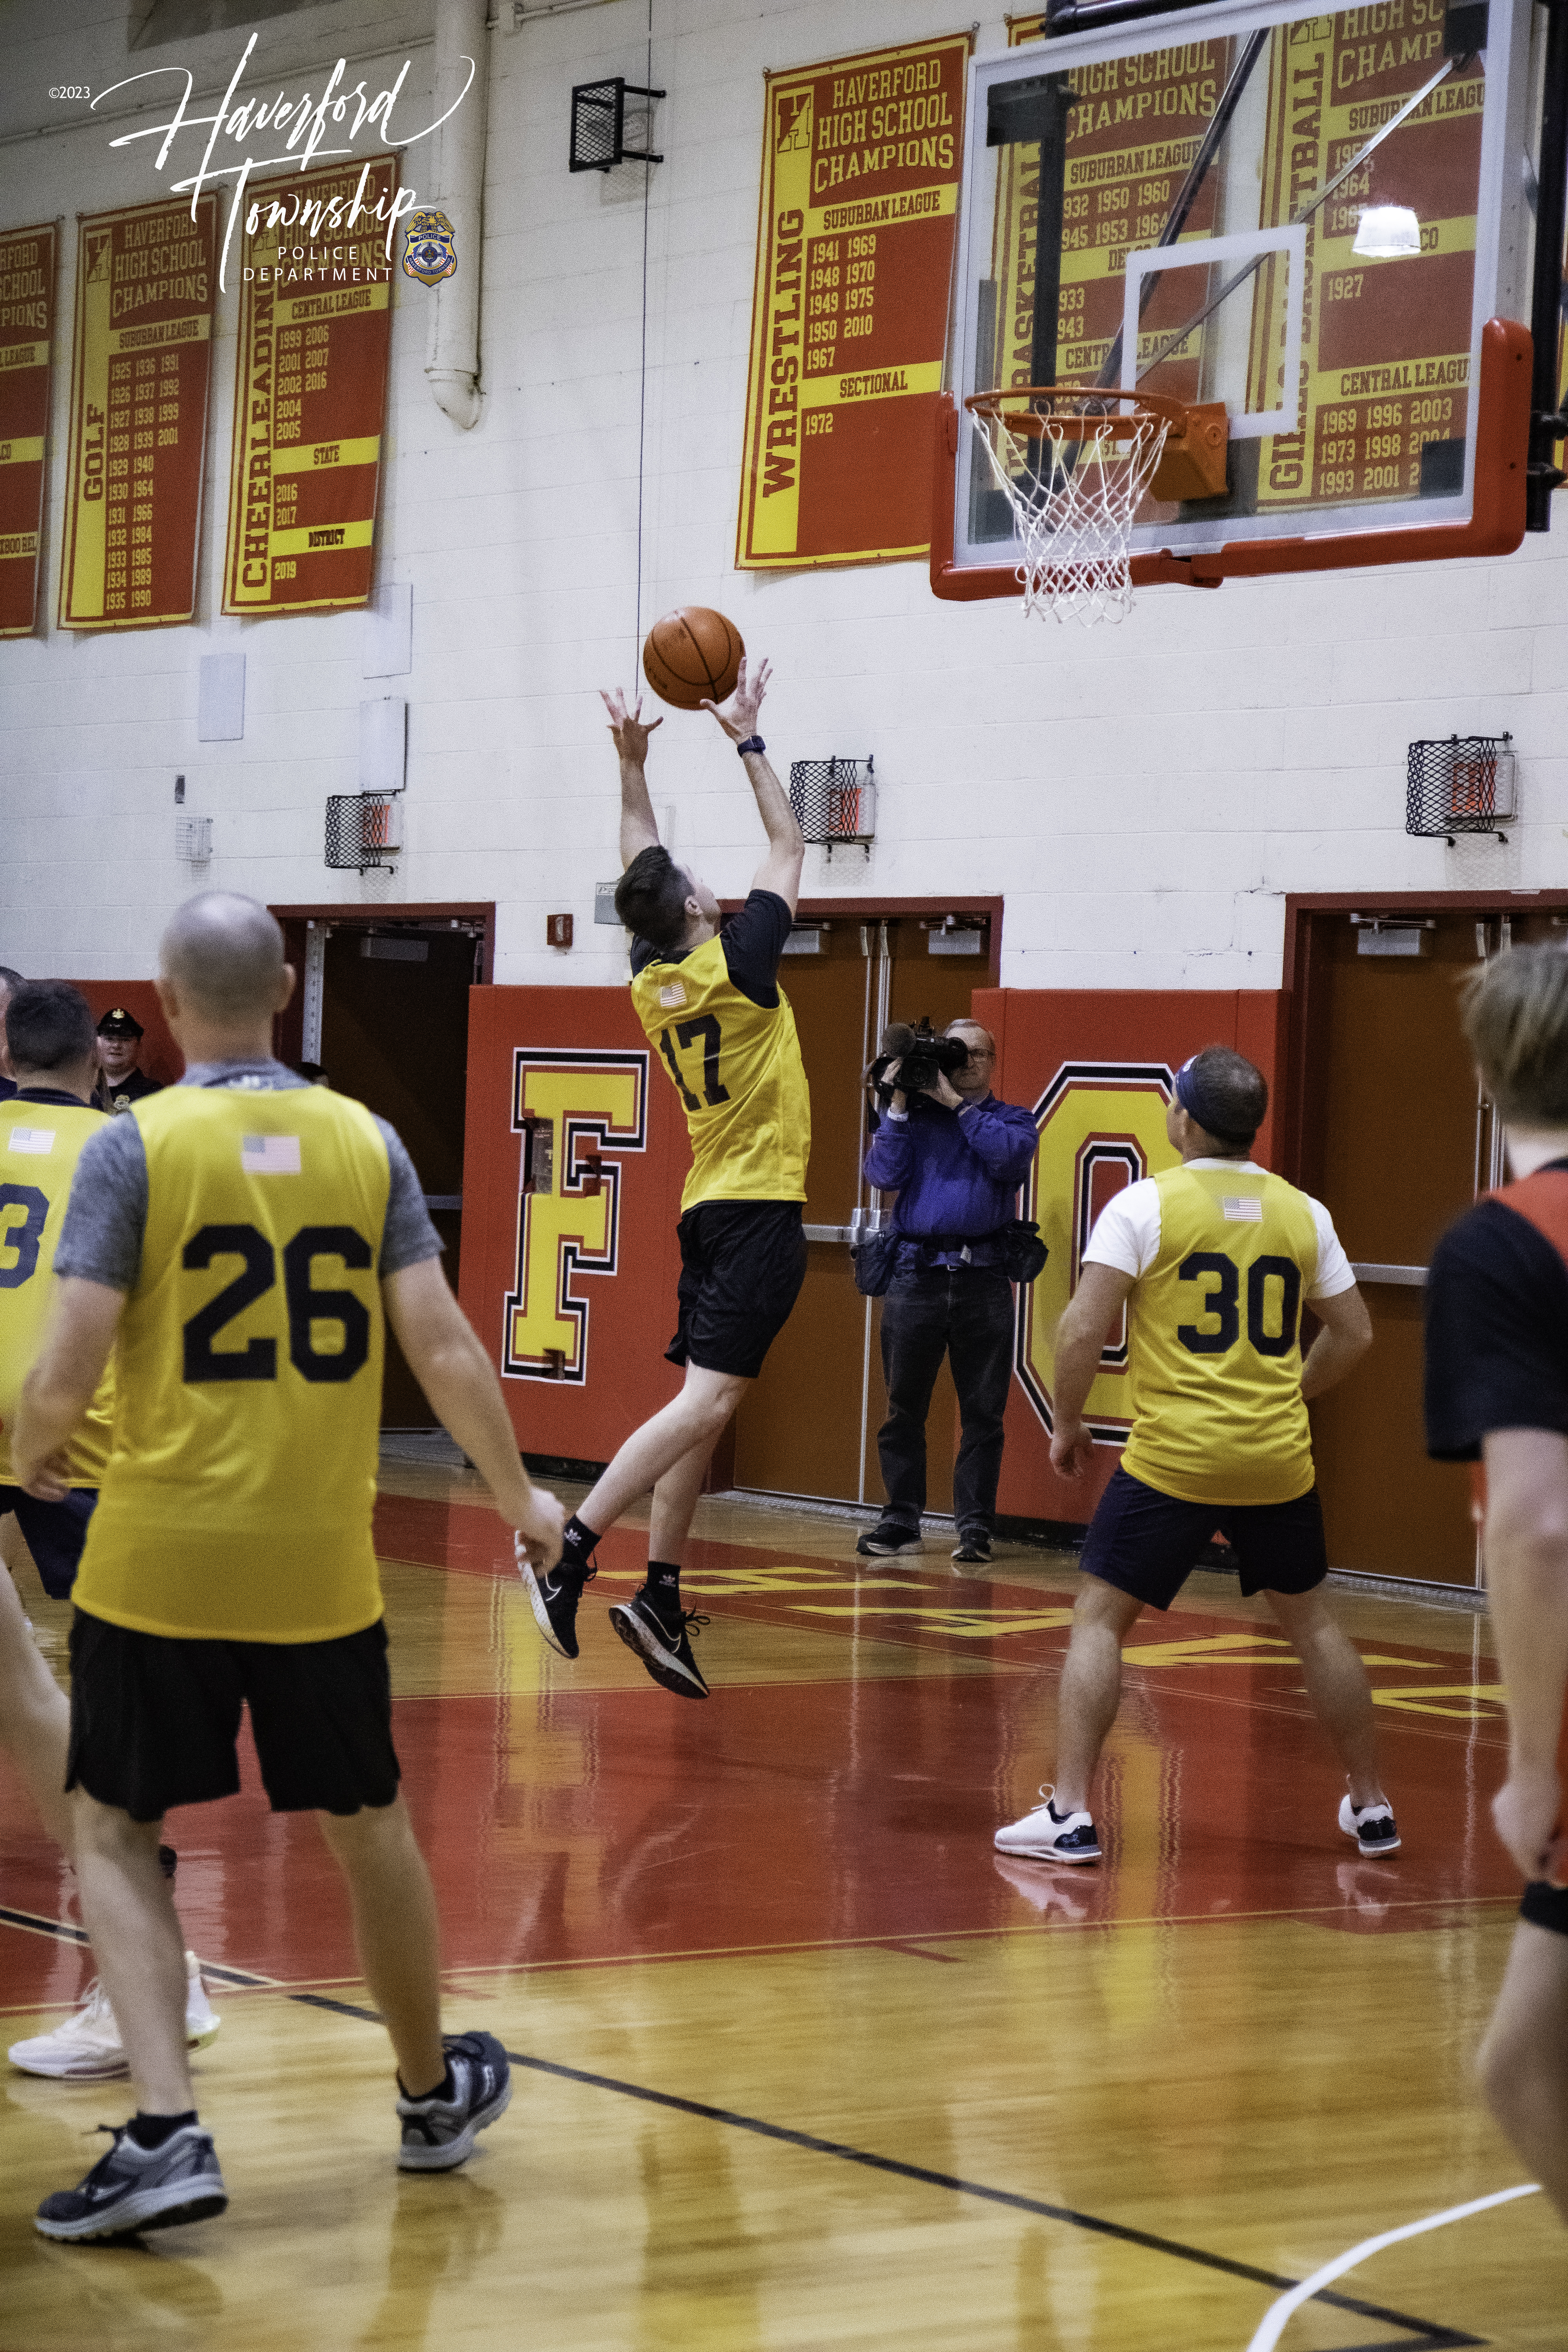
[[1201, 1109]]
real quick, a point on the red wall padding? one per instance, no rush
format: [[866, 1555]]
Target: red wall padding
[[161, 1057]]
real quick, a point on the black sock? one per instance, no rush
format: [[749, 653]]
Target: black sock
[[151, 2131], [445, 2089], [663, 1589], [577, 1543]]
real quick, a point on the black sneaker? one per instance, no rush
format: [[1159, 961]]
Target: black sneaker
[[889, 1540], [133, 2188], [439, 2134], [554, 1593], [666, 1652], [974, 1548]]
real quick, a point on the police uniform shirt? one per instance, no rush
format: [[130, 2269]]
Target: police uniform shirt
[[251, 1218], [1223, 1255], [134, 1087], [43, 1133], [724, 1031]]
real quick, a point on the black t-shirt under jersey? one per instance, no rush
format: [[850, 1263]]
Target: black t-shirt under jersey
[[1497, 1331], [752, 943]]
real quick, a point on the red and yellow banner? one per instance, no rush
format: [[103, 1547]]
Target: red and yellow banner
[[27, 257], [141, 363], [310, 402], [862, 164]]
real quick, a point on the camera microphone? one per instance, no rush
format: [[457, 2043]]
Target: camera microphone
[[897, 1039]]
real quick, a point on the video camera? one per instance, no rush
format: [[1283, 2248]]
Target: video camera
[[921, 1056]]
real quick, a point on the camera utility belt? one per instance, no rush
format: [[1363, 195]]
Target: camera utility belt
[[965, 1243]]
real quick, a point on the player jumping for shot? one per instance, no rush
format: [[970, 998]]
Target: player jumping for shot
[[712, 1007]]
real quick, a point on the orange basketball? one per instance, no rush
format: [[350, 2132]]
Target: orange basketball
[[692, 656]]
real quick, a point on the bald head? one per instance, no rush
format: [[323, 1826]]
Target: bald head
[[224, 955]]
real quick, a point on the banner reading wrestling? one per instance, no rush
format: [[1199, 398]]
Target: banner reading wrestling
[[862, 164], [309, 405], [26, 352], [140, 365]]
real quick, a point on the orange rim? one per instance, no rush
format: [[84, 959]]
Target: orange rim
[[1152, 408]]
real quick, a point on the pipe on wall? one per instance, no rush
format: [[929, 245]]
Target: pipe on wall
[[452, 352]]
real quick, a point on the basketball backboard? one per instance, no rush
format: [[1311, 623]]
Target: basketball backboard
[[1320, 222]]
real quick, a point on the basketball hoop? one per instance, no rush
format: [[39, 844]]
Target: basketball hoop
[[1075, 463]]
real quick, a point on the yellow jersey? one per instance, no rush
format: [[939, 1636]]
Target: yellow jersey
[[40, 1143], [735, 1063], [237, 1503], [1214, 1353]]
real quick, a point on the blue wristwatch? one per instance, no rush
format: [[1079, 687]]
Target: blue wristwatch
[[752, 744]]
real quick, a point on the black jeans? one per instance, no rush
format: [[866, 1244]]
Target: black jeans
[[966, 1315]]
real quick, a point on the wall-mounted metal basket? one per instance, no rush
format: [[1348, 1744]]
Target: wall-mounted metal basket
[[835, 801], [364, 830], [1463, 783]]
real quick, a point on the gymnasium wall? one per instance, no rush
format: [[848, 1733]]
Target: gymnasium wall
[[1145, 794]]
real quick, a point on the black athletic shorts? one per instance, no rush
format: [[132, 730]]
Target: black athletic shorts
[[55, 1533], [154, 1720], [1148, 1544], [742, 1266], [1545, 1906]]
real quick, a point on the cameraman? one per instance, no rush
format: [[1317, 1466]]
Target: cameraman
[[956, 1157]]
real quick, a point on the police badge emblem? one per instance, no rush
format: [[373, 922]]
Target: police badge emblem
[[427, 248]]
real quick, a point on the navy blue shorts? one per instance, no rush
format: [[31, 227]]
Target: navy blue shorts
[[55, 1533], [1545, 1906], [1147, 1544]]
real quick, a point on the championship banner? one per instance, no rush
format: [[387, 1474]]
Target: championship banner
[[142, 360], [310, 402], [1369, 428], [26, 349], [861, 164]]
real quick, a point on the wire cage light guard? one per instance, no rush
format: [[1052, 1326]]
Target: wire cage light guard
[[1461, 784], [835, 801], [599, 125], [364, 830]]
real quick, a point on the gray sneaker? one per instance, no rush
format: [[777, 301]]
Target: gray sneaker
[[439, 2134], [133, 2188]]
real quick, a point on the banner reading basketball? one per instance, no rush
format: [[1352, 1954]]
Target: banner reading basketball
[[310, 400], [860, 169]]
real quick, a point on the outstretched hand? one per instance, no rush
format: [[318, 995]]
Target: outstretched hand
[[738, 717], [628, 730]]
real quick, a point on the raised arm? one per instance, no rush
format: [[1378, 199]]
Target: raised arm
[[780, 870], [629, 732]]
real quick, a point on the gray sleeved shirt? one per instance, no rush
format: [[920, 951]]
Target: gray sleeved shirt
[[106, 1218]]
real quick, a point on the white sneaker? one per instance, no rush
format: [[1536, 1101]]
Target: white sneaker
[[1045, 1836], [1371, 1827], [88, 2049]]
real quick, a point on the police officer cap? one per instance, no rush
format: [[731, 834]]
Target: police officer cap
[[118, 1023]]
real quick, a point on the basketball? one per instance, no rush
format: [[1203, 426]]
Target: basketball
[[691, 656]]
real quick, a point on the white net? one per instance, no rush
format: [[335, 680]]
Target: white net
[[1074, 482]]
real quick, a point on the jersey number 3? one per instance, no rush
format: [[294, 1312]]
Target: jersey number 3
[[257, 1360], [1222, 1305]]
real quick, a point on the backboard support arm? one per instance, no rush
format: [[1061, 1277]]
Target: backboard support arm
[[1547, 425]]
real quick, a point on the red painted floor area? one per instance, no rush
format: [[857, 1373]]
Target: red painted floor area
[[601, 1825]]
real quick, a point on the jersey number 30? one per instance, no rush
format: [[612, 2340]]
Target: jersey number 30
[[257, 1360], [1222, 1305]]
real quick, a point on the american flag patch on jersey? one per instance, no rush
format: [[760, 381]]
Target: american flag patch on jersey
[[269, 1155], [32, 1139], [1247, 1207]]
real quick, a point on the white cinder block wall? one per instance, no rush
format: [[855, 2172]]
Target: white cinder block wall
[[1142, 796]]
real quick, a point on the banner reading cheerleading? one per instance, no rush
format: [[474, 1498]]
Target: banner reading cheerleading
[[140, 365], [860, 169], [26, 354], [309, 391]]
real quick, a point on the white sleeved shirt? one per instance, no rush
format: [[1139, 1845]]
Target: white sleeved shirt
[[1127, 1233]]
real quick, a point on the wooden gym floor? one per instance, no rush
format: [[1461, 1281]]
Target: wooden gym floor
[[800, 2061]]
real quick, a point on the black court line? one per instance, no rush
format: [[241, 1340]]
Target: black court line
[[39, 1924], [1422, 2334]]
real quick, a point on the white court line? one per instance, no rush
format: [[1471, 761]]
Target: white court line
[[1274, 2321]]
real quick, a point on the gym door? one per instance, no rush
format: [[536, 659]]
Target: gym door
[[809, 1424], [1397, 1139]]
